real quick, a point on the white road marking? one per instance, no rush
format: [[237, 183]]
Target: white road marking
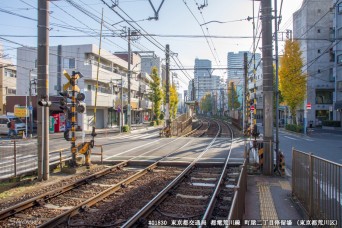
[[310, 140], [134, 148], [290, 137]]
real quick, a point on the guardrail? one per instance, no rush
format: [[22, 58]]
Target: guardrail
[[19, 158], [237, 208], [317, 183]]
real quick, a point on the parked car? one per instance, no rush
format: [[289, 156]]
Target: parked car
[[19, 124]]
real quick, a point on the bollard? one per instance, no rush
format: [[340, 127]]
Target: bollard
[[15, 157], [60, 160]]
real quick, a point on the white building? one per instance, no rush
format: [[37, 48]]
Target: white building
[[84, 59], [313, 26], [337, 73], [8, 74]]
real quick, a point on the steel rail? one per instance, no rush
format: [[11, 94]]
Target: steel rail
[[151, 205], [56, 192], [220, 182], [88, 203]]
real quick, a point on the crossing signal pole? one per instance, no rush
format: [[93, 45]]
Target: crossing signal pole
[[75, 106]]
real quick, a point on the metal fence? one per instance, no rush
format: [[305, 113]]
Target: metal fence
[[237, 208], [317, 183], [20, 157]]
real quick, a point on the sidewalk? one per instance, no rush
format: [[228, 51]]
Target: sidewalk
[[269, 202]]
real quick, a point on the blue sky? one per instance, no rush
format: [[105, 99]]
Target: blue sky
[[180, 18]]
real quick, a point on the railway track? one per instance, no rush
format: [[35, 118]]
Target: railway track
[[80, 203], [192, 195]]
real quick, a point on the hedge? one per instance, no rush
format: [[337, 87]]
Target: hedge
[[295, 128], [125, 128]]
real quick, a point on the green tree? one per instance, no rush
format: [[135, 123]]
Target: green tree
[[233, 97], [292, 81], [206, 103], [173, 102], [156, 95]]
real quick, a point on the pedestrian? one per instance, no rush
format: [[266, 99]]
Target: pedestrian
[[11, 128]]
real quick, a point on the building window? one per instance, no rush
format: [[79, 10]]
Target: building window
[[11, 91], [332, 34], [10, 73], [339, 8], [331, 75], [89, 87], [69, 63], [324, 96], [331, 55], [339, 59]]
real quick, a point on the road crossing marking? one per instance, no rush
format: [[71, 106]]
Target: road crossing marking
[[290, 137]]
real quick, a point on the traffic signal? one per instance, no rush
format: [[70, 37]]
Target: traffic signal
[[44, 103], [64, 100]]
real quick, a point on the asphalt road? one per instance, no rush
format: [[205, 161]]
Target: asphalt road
[[326, 144]]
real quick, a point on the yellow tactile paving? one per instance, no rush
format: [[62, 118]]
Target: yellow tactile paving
[[267, 209], [285, 185]]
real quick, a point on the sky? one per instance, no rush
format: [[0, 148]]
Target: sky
[[179, 24]]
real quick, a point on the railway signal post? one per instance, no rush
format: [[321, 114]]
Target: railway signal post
[[71, 109]]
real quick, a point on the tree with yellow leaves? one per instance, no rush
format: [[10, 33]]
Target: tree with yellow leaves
[[173, 101], [292, 81]]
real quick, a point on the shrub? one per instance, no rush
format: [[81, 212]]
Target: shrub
[[161, 116], [295, 128], [158, 122], [152, 123], [125, 128], [331, 123]]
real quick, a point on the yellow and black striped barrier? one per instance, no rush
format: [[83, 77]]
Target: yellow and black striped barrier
[[282, 164], [261, 155]]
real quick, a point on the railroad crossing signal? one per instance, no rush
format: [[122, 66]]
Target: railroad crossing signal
[[70, 109]]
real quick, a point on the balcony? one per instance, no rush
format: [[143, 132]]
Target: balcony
[[146, 104], [89, 71], [103, 99]]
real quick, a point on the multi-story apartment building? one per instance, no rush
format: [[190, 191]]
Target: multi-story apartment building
[[235, 63], [337, 73], [312, 27], [203, 81], [8, 80], [112, 77]]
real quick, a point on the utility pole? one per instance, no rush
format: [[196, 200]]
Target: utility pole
[[277, 81], [167, 106], [43, 89], [30, 104], [254, 70], [129, 80], [266, 12], [244, 117]]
